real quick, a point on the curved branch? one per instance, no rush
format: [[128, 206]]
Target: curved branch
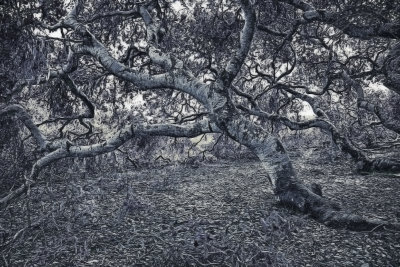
[[37, 167], [111, 144], [178, 79], [26, 119], [155, 33], [78, 93], [70, 66], [246, 38], [123, 13], [249, 97], [338, 20], [310, 100], [364, 163], [87, 115], [131, 131], [293, 125], [387, 121]]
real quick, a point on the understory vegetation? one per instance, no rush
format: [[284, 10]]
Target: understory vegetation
[[200, 214]]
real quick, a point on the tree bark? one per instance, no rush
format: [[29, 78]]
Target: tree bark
[[391, 69], [289, 189]]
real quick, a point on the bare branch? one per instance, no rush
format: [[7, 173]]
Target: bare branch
[[26, 119], [87, 115], [321, 123], [123, 13], [155, 33], [246, 37], [78, 93], [249, 97], [178, 79], [70, 66], [342, 22], [387, 119], [111, 144]]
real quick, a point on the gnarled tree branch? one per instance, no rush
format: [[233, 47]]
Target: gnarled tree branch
[[118, 139], [342, 22], [246, 37]]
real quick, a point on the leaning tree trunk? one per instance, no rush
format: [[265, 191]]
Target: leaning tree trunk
[[289, 189]]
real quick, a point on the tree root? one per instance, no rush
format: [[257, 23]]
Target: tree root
[[329, 213]]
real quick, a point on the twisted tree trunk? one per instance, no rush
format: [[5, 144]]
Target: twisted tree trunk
[[290, 190]]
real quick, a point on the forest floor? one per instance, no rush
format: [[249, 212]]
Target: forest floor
[[209, 214]]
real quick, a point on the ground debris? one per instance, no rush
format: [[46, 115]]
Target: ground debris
[[214, 215]]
